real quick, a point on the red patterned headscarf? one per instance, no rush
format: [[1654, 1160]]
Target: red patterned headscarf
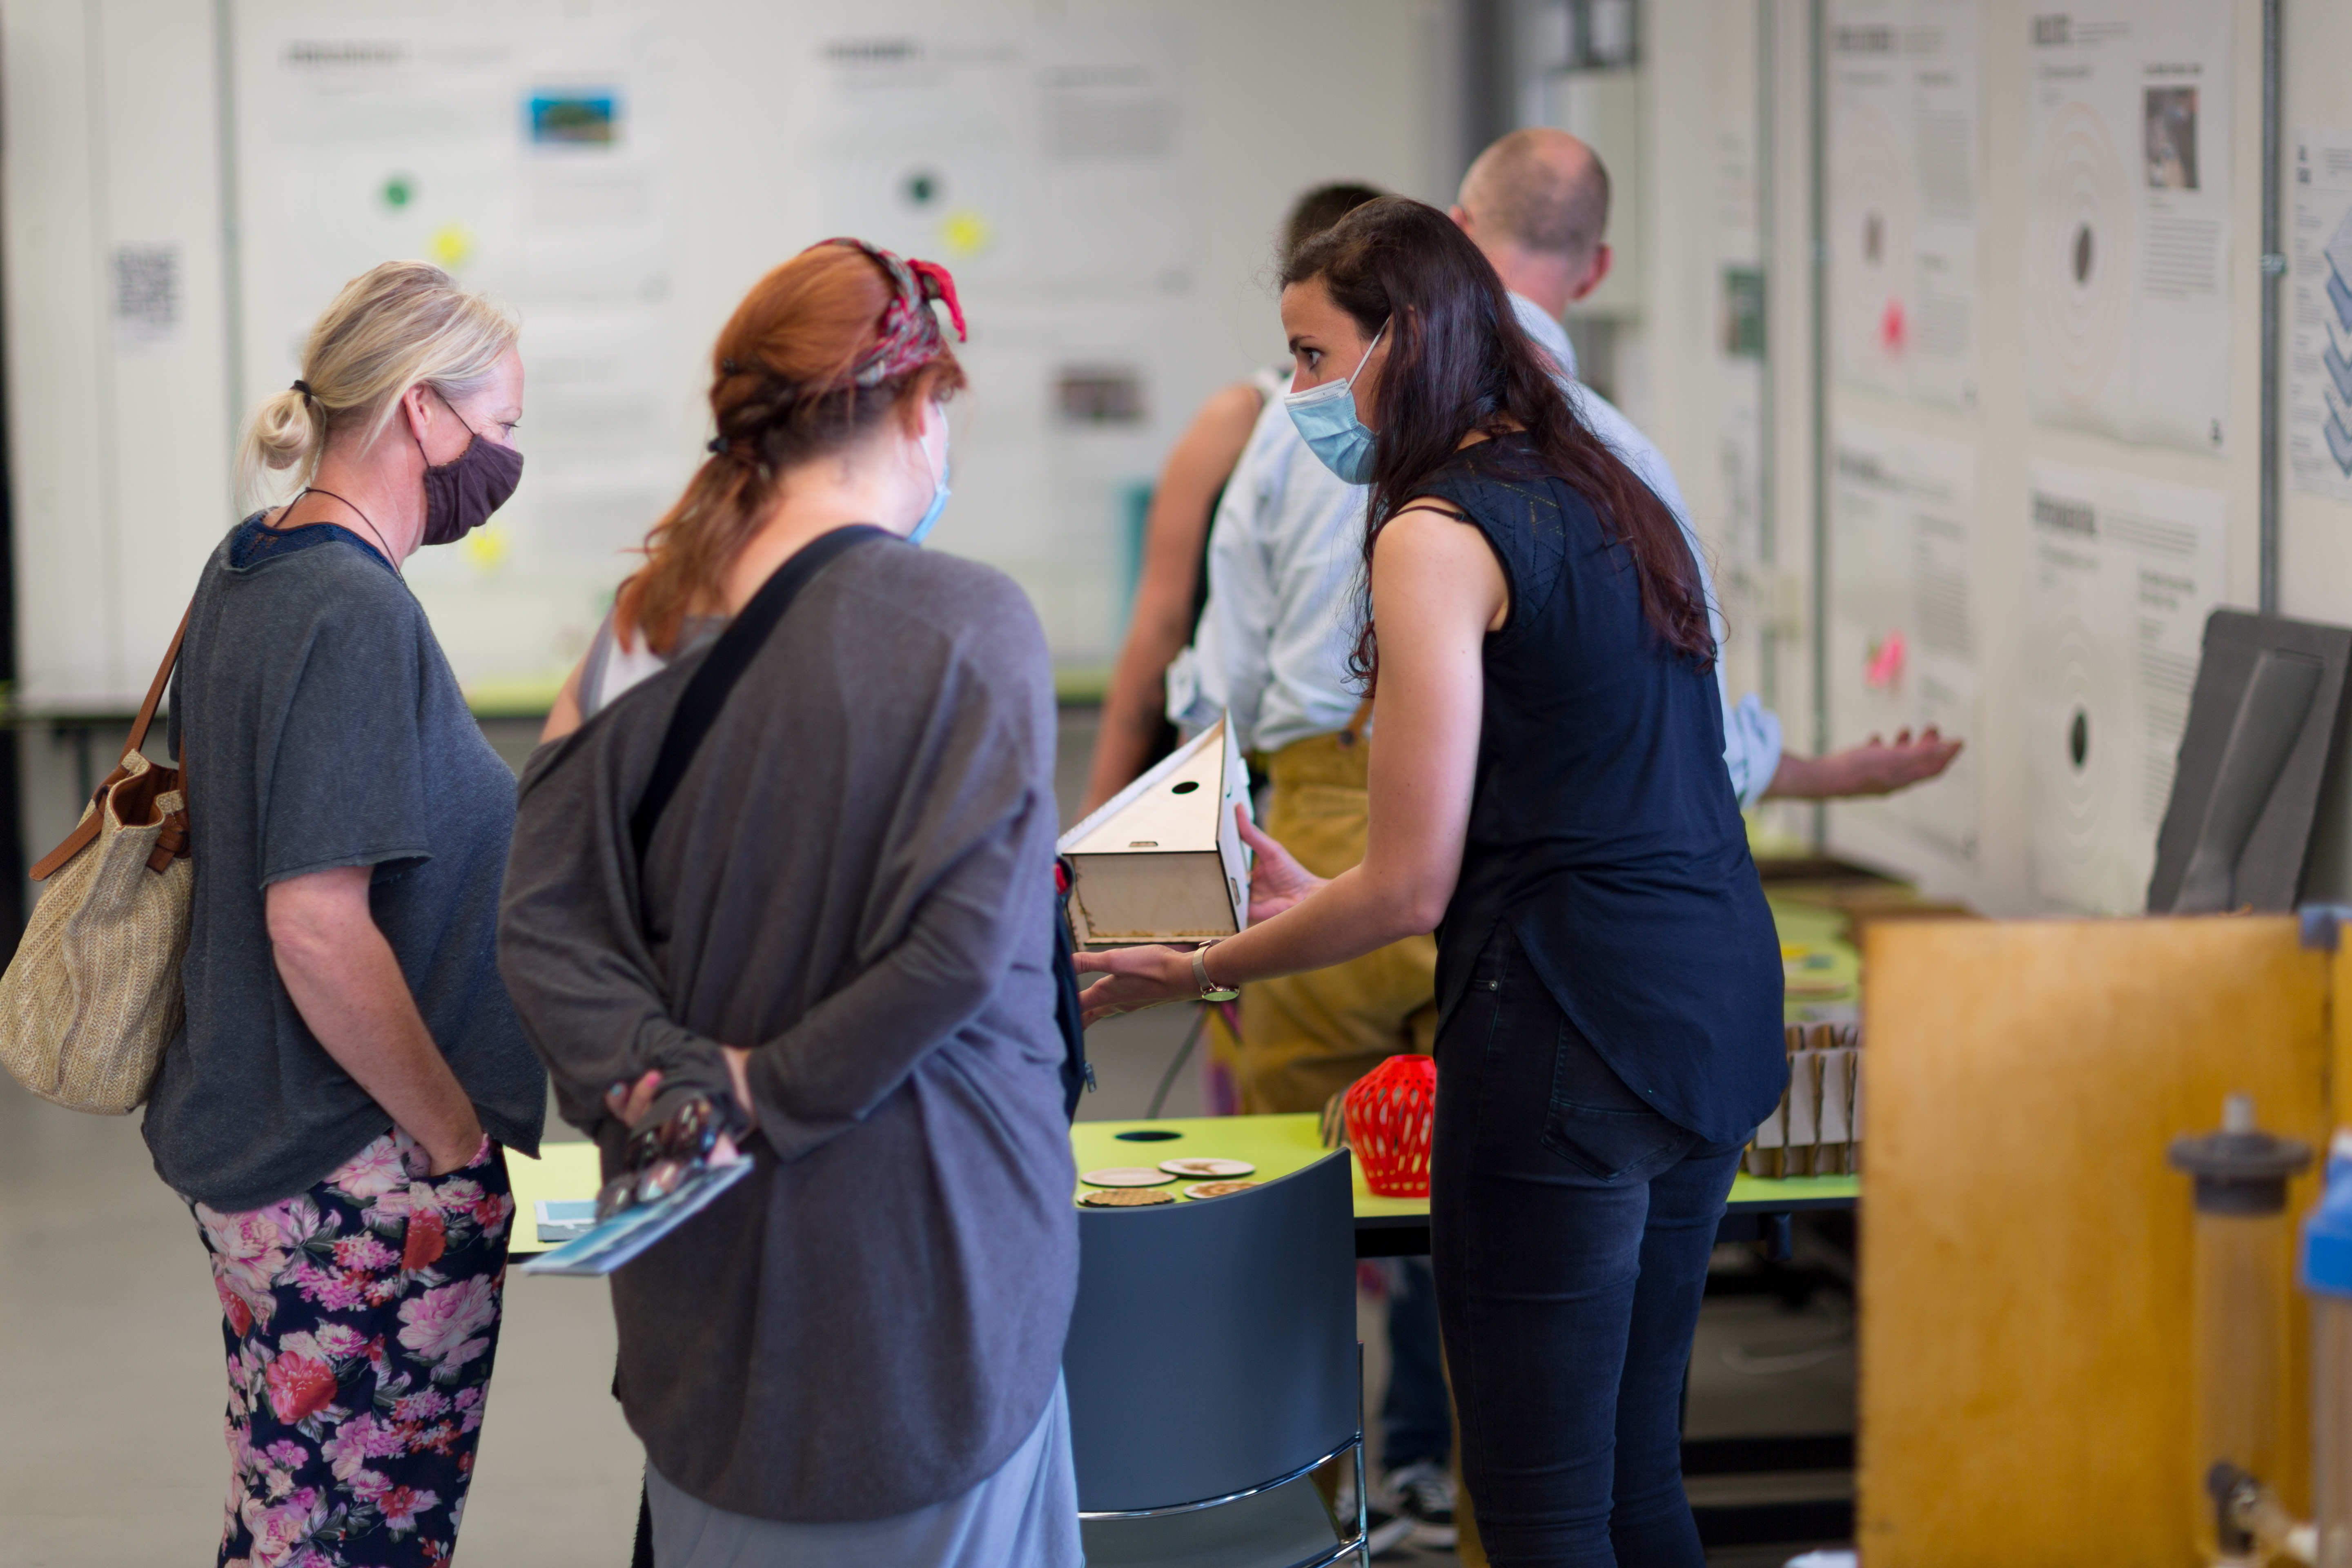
[[911, 334]]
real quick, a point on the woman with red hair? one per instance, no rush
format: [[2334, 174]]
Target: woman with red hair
[[835, 939]]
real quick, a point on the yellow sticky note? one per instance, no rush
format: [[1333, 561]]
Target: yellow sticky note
[[965, 233], [486, 549], [452, 243]]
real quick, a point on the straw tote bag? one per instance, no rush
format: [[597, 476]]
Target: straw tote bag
[[93, 993]]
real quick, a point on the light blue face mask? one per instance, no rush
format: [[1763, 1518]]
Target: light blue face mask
[[940, 493], [1327, 422]]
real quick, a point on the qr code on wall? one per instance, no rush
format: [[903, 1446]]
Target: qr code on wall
[[146, 291]]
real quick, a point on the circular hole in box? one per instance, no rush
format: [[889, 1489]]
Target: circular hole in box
[[1147, 1135], [1184, 787]]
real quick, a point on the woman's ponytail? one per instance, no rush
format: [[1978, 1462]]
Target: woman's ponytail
[[284, 432]]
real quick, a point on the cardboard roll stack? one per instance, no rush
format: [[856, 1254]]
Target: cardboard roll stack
[[1817, 1129]]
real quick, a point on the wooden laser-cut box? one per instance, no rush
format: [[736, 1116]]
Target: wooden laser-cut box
[[1162, 861]]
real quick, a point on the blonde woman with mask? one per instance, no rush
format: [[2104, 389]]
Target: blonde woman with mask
[[336, 1108]]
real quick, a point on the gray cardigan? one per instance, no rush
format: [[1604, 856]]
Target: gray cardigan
[[853, 880]]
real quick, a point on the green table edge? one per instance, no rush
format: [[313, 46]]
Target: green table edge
[[1277, 1145]]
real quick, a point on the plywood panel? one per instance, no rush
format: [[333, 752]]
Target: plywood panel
[[2025, 1250]]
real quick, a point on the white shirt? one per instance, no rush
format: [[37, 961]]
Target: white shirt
[[1286, 561], [1286, 553]]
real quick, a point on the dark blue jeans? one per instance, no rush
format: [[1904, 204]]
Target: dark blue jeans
[[1570, 1226]]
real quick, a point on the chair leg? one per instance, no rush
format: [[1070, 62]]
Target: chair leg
[[1363, 1501], [1363, 1509]]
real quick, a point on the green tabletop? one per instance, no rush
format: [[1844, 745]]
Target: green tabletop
[[1278, 1145]]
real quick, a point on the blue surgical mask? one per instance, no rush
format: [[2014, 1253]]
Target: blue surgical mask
[[1327, 422], [940, 493]]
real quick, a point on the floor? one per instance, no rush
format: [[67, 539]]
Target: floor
[[110, 1388]]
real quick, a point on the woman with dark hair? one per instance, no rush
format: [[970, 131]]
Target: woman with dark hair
[[1550, 795], [834, 943]]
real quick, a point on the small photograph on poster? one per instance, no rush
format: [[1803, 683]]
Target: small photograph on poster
[[574, 119], [2171, 122]]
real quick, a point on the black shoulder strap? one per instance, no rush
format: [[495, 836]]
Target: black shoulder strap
[[706, 694], [1077, 1073]]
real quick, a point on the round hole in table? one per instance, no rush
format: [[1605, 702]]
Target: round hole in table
[[1147, 1135]]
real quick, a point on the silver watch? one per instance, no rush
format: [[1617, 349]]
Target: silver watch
[[1210, 990]]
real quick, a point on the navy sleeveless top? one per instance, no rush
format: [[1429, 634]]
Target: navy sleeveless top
[[1603, 827]]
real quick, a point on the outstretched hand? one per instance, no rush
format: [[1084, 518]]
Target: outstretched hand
[[1277, 880], [1876, 767], [1139, 977]]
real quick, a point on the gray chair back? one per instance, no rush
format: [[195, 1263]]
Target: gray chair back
[[1213, 1345]]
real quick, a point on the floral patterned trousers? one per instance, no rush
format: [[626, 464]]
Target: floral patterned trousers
[[361, 1321]]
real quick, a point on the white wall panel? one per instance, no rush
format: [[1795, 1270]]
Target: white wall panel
[[117, 434], [121, 438]]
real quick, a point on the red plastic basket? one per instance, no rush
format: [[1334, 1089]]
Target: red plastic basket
[[1389, 1114]]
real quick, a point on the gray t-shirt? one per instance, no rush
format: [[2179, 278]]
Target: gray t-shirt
[[324, 729]]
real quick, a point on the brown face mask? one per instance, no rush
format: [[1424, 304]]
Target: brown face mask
[[461, 494]]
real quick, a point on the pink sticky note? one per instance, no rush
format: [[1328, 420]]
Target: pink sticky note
[[1885, 665], [1894, 329]]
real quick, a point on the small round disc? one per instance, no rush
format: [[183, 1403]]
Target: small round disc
[[1217, 1189], [1199, 1165], [1123, 1198], [1128, 1176]]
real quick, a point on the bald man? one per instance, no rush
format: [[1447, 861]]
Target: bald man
[[1537, 204]]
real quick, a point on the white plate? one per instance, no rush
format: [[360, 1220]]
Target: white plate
[[1203, 1169], [1128, 1176]]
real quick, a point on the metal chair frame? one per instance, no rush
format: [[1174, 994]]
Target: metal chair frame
[[1361, 1546]]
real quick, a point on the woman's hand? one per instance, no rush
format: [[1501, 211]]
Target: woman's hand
[[454, 1152], [1151, 976], [738, 1062], [630, 1102], [459, 1153], [1139, 977], [1277, 880], [1875, 767]]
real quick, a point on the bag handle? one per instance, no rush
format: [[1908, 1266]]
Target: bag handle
[[87, 829], [155, 687]]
